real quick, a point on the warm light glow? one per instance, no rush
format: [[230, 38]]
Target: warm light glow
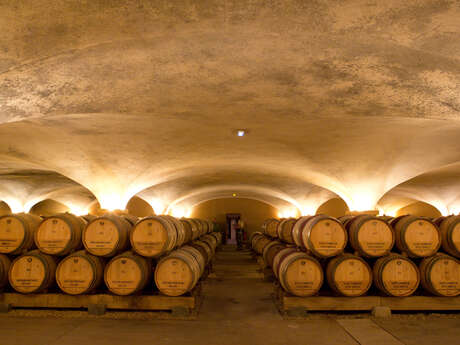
[[454, 209], [362, 201], [158, 206], [308, 210], [241, 133], [111, 202], [234, 194], [77, 210], [179, 212], [15, 205], [288, 213]]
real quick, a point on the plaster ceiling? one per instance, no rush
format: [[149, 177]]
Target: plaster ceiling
[[107, 100]]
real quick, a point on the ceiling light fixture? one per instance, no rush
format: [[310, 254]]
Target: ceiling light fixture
[[241, 132]]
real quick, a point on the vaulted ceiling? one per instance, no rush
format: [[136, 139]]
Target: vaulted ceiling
[[104, 100]]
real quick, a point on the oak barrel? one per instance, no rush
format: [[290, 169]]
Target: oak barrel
[[153, 236], [271, 250], [5, 264], [177, 273], [297, 230], [59, 234], [396, 275], [270, 227], [127, 273], [285, 230], [194, 227], [107, 235], [32, 272], [278, 258], [417, 236], [440, 275], [181, 236], [207, 248], [17, 232], [80, 273], [260, 242], [300, 274], [370, 236], [450, 235], [349, 275], [323, 236], [187, 230], [197, 254]]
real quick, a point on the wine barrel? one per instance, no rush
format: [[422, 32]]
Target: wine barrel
[[211, 226], [179, 229], [370, 236], [59, 234], [297, 230], [211, 240], [127, 273], [79, 273], [270, 227], [285, 230], [450, 235], [417, 236], [130, 218], [153, 236], [107, 235], [260, 242], [17, 232], [88, 217], [187, 230], [203, 249], [349, 275], [279, 258], [440, 275], [5, 264], [279, 227], [300, 274], [199, 257], [323, 236], [218, 237], [32, 272], [396, 275], [271, 250], [207, 248], [193, 225], [198, 226], [177, 273]]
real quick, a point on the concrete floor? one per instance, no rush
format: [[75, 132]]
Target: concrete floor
[[237, 310]]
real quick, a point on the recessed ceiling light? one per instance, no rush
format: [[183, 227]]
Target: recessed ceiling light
[[241, 132], [234, 194]]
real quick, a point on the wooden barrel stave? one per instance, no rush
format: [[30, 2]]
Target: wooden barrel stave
[[32, 272], [17, 233], [80, 273], [349, 275], [127, 273]]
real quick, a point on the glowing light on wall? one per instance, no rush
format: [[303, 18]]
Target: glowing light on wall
[[77, 210], [158, 206], [15, 205], [308, 210], [362, 201], [111, 202], [288, 213], [179, 212], [454, 209]]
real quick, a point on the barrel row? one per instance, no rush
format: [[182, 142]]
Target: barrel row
[[351, 275], [369, 236], [104, 236], [125, 274]]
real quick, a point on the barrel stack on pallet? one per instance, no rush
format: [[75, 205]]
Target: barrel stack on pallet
[[66, 261], [364, 255]]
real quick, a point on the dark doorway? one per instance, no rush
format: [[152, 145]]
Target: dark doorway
[[232, 222]]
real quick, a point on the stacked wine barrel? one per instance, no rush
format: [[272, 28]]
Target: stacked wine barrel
[[81, 254], [354, 255]]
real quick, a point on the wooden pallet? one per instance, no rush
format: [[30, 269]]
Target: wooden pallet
[[97, 304], [290, 305]]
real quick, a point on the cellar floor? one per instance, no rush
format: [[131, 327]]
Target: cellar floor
[[237, 309]]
